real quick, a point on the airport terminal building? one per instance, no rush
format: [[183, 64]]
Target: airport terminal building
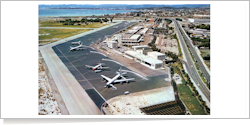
[[157, 55], [145, 60], [144, 49]]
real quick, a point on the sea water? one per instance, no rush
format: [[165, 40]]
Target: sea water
[[77, 12]]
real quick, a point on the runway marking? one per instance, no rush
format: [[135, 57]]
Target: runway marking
[[70, 79], [95, 78], [67, 82], [98, 53], [113, 61], [103, 90], [90, 79], [86, 72], [136, 74], [77, 59], [73, 55], [72, 85]]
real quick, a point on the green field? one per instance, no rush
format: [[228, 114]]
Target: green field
[[203, 54], [185, 92], [58, 24], [52, 35], [190, 101]]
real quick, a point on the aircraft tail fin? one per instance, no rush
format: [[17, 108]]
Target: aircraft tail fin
[[88, 66]]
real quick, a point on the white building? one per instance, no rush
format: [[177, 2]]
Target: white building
[[157, 55], [134, 30], [118, 37], [145, 60], [111, 43], [192, 20], [144, 31], [199, 31], [133, 40], [195, 15], [142, 49]]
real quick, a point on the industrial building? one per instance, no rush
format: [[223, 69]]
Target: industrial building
[[157, 55], [145, 60]]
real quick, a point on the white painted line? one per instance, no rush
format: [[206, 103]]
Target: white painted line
[[98, 53], [112, 61], [135, 74]]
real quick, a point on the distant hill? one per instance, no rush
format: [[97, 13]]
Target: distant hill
[[120, 6]]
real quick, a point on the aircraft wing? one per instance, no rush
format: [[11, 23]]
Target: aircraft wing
[[88, 66], [123, 77], [123, 80], [105, 77], [113, 86]]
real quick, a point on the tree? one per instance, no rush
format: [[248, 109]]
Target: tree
[[206, 58], [179, 19], [111, 19], [105, 20], [86, 23], [202, 26], [203, 103]]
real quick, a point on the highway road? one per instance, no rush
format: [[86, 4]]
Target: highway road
[[193, 73], [202, 68]]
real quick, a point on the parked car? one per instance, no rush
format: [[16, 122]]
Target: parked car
[[127, 92]]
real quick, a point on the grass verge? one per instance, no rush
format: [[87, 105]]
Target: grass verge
[[52, 35], [179, 47], [58, 24], [186, 94], [204, 53], [190, 101]]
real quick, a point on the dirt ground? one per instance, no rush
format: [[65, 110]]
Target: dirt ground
[[47, 105], [53, 87], [130, 104]]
